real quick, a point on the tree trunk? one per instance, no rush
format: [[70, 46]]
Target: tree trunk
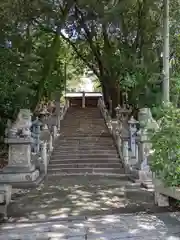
[[114, 98], [49, 62]]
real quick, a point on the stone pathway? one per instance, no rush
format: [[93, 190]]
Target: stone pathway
[[66, 196], [91, 208], [164, 226]]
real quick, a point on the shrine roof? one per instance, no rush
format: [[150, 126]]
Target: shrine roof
[[80, 94]]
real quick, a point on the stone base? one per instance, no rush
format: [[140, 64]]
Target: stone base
[[145, 178], [22, 180], [162, 193], [17, 169], [139, 176], [5, 198], [161, 200]]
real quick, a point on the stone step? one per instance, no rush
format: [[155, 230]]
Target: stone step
[[73, 158], [78, 155], [89, 121], [87, 170], [86, 144], [92, 151], [72, 133], [87, 141], [84, 165], [74, 161], [75, 148], [119, 176]]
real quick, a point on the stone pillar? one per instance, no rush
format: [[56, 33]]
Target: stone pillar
[[67, 103], [36, 130], [143, 150], [125, 145], [125, 152], [51, 143], [55, 132], [137, 153], [44, 160], [132, 130], [145, 174], [83, 100], [118, 116], [118, 141]]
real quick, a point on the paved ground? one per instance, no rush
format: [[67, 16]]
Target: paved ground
[[65, 196], [164, 226], [88, 208]]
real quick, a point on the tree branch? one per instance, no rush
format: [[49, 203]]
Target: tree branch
[[89, 38], [80, 55]]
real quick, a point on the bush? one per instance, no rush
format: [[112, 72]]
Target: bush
[[165, 162]]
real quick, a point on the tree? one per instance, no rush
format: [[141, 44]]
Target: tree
[[166, 53]]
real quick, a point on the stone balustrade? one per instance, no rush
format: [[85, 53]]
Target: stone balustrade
[[132, 140], [30, 146]]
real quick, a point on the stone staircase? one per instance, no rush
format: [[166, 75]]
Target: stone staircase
[[96, 200], [85, 146]]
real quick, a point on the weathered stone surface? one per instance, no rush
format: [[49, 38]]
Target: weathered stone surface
[[21, 127], [162, 193], [19, 155], [107, 227], [19, 177], [7, 190], [5, 198]]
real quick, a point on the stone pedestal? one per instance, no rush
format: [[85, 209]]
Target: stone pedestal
[[20, 171]]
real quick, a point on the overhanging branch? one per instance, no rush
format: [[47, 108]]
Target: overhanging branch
[[80, 55]]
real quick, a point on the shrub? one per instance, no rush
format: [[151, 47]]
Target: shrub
[[165, 162]]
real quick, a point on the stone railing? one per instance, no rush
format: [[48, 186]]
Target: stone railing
[[30, 147], [132, 141]]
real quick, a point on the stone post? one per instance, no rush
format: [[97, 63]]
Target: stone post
[[67, 103], [118, 141], [118, 116], [143, 151], [145, 174], [55, 132], [44, 159], [132, 130], [83, 100], [36, 130], [125, 152], [137, 153], [125, 146], [51, 143]]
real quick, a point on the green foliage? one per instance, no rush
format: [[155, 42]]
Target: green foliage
[[165, 162]]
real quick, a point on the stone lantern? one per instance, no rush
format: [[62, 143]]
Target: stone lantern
[[20, 171]]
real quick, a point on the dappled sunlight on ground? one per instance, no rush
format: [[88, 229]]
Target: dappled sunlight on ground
[[109, 227], [77, 197], [87, 208]]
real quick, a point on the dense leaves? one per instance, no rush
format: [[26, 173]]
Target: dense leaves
[[165, 161]]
